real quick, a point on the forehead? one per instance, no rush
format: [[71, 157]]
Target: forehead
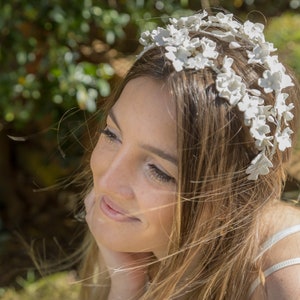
[[146, 106], [146, 96]]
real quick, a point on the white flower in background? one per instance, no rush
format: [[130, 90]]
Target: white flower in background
[[86, 98]]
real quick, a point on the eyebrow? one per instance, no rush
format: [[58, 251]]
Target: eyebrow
[[159, 152], [114, 119]]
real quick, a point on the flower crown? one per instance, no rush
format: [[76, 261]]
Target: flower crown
[[186, 52]]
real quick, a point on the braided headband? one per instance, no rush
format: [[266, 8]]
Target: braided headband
[[186, 52]]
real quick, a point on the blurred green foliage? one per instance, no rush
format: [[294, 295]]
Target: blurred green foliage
[[59, 286], [42, 67], [48, 63]]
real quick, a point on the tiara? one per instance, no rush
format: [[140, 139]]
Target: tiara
[[188, 52]]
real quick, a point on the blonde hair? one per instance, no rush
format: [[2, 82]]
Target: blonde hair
[[215, 239]]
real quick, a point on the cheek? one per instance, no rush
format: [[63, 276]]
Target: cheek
[[161, 222], [161, 213], [100, 158], [167, 217]]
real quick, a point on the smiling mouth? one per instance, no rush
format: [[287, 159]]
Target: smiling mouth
[[114, 212]]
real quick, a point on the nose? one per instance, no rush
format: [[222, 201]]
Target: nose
[[114, 174]]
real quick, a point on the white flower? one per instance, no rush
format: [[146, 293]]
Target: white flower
[[267, 111], [270, 81], [260, 53], [254, 31], [264, 143], [259, 128], [193, 22], [259, 166], [177, 37], [284, 139], [250, 106], [282, 109], [286, 81], [275, 81], [209, 48], [192, 44], [145, 38], [230, 87], [198, 62], [86, 98], [227, 63], [178, 56], [277, 67], [287, 114], [272, 63], [226, 20]]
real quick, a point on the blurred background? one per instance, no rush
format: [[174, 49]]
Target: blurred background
[[57, 59]]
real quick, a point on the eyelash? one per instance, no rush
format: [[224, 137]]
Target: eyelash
[[154, 171], [160, 175], [109, 135]]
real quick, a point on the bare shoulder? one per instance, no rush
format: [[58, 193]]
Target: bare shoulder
[[281, 263], [282, 218], [284, 284], [279, 216], [281, 285]]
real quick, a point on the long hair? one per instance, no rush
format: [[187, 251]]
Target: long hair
[[215, 235]]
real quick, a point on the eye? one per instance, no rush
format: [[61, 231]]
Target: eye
[[159, 175], [109, 135]]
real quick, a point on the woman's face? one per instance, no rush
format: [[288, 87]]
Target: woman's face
[[134, 166]]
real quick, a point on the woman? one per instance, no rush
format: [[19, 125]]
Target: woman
[[189, 168]]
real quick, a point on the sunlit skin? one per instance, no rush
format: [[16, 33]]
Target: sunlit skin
[[134, 166]]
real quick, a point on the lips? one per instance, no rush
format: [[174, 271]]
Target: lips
[[115, 212]]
